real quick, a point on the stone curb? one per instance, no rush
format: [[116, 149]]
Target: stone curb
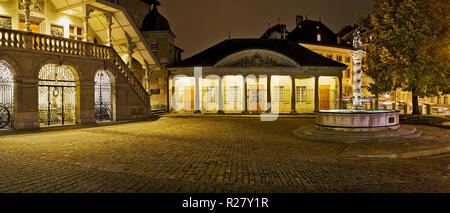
[[422, 153], [238, 115]]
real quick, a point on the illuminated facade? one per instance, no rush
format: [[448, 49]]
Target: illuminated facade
[[75, 62], [317, 37], [255, 76]]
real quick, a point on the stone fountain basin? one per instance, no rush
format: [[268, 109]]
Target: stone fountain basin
[[358, 120]]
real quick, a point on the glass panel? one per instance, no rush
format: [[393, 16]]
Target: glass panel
[[304, 92], [184, 94], [210, 95], [69, 105], [281, 94], [233, 94], [43, 105], [257, 94], [7, 90], [56, 95], [103, 103]]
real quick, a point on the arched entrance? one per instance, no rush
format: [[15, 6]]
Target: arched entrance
[[6, 95], [57, 95], [103, 97]]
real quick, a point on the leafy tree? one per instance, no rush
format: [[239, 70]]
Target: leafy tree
[[409, 47]]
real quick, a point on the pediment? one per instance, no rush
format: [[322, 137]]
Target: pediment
[[256, 58]]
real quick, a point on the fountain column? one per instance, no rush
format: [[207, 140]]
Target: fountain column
[[357, 56]]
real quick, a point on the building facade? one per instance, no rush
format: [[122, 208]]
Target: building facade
[[255, 76], [75, 62], [317, 37]]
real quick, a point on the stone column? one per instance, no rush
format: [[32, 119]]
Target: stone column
[[108, 17], [293, 101], [26, 10], [86, 24], [26, 109], [86, 108], [245, 96], [130, 50], [220, 96], [357, 56], [269, 94], [316, 93], [197, 76], [174, 103], [341, 102], [147, 74]]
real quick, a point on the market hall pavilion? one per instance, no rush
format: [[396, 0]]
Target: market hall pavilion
[[255, 76]]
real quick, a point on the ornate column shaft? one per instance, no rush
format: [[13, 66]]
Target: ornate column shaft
[[86, 24], [26, 10], [357, 56], [108, 17], [130, 50]]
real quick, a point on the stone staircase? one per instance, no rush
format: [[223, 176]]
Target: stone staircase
[[46, 44], [158, 113], [317, 133]]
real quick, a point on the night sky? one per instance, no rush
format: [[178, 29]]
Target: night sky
[[199, 24]]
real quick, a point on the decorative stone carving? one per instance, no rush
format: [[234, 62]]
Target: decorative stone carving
[[35, 6], [5, 22], [357, 43], [357, 55], [257, 60], [57, 31]]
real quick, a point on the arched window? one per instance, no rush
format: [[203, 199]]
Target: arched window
[[57, 95], [103, 96], [6, 95]]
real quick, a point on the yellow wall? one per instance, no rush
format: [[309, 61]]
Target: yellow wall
[[11, 9]]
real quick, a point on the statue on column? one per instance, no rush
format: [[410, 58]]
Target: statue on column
[[357, 43], [357, 55]]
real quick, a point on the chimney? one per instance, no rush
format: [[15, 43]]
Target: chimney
[[339, 40], [299, 20]]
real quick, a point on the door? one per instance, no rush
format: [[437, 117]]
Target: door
[[56, 105], [256, 99], [253, 98], [324, 97], [189, 98]]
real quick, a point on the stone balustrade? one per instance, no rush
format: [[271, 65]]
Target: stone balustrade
[[56, 45]]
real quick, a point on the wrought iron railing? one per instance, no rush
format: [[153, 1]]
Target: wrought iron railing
[[61, 46]]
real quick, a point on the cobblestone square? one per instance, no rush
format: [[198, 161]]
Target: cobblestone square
[[210, 154]]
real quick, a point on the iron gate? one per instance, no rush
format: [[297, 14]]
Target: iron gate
[[103, 103], [57, 94]]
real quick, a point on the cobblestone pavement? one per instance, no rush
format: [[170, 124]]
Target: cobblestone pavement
[[205, 154]]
